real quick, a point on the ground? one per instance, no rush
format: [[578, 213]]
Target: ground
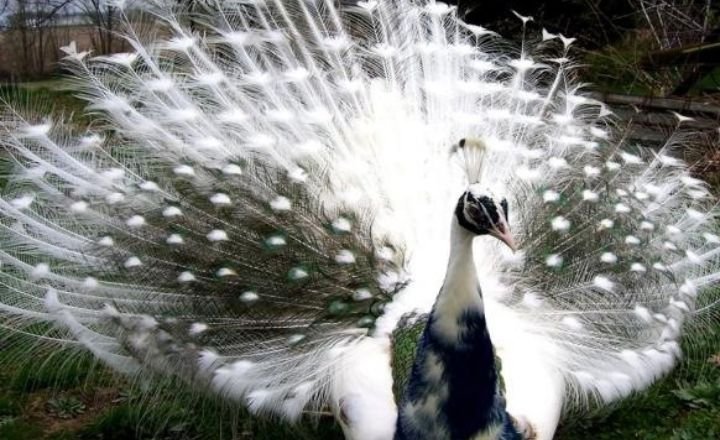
[[67, 397]]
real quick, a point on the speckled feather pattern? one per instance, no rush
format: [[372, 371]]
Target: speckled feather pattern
[[453, 391]]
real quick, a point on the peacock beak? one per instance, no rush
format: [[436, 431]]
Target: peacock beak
[[501, 231]]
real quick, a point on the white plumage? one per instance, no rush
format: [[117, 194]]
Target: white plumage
[[260, 203]]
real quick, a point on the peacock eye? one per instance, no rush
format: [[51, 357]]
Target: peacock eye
[[472, 210], [505, 208]]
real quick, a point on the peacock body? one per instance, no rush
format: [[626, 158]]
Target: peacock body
[[259, 206]]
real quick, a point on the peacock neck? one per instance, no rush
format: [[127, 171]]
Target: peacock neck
[[460, 293], [452, 393]]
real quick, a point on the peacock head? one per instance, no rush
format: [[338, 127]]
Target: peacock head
[[482, 213]]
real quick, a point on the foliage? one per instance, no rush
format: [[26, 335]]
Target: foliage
[[684, 406], [65, 407], [699, 395], [50, 96], [595, 22], [618, 68]]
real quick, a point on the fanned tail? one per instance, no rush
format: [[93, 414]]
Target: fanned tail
[[204, 228], [617, 251], [259, 202]]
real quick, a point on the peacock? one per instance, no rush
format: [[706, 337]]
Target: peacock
[[267, 196]]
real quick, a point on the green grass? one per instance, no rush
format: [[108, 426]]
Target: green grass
[[685, 406], [674, 409], [52, 96], [52, 84]]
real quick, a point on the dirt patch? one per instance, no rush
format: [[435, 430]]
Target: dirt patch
[[715, 360], [96, 401]]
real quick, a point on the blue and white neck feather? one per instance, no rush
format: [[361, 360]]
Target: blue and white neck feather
[[453, 390]]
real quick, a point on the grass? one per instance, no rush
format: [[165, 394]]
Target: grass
[[44, 96], [68, 396], [684, 406], [52, 84]]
